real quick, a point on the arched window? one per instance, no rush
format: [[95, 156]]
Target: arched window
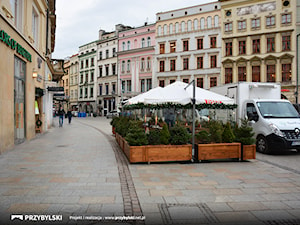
[[209, 22], [149, 41], [195, 24], [165, 29], [176, 27], [216, 19], [189, 25], [171, 28], [128, 45], [123, 67], [148, 63], [123, 46], [159, 31], [182, 26], [143, 42], [202, 23], [128, 65], [143, 64]]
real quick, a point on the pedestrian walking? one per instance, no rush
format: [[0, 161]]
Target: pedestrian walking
[[69, 114], [61, 113]]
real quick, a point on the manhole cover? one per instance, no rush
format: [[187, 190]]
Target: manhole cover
[[187, 214]]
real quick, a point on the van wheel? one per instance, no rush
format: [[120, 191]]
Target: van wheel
[[262, 145]]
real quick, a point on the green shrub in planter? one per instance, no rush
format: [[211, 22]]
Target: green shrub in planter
[[216, 131], [154, 137], [136, 134], [244, 133], [165, 135], [121, 125], [227, 135], [179, 135], [203, 137]]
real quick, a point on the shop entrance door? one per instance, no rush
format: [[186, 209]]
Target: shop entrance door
[[19, 100]]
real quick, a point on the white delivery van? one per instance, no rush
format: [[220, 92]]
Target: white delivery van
[[275, 122]]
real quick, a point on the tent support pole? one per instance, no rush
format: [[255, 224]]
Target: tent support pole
[[193, 116]]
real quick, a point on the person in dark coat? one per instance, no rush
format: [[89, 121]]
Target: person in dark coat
[[69, 114], [61, 113]]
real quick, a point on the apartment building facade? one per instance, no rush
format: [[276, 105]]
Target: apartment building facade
[[135, 61], [259, 43], [188, 45], [26, 44], [73, 75], [87, 85], [107, 76]]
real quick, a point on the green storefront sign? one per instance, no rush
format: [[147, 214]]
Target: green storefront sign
[[5, 38]]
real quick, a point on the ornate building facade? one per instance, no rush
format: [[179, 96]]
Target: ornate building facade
[[259, 43], [188, 45]]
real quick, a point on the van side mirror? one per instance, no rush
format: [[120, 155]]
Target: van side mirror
[[253, 117]]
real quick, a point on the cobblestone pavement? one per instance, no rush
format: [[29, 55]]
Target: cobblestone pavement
[[78, 170]]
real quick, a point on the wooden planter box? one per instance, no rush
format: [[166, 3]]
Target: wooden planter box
[[249, 152], [156, 153], [219, 151]]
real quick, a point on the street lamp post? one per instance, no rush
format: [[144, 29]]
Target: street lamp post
[[297, 65]]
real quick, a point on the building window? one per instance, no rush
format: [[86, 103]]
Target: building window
[[228, 27], [185, 64], [128, 66], [213, 81], [142, 85], [271, 44], [123, 67], [185, 80], [129, 86], [173, 47], [143, 42], [200, 43], [228, 49], [106, 70], [200, 62], [176, 27], [143, 64], [195, 24], [107, 53], [86, 63], [172, 65], [271, 77], [256, 46], [81, 78], [81, 67], [270, 21], [17, 11], [242, 75], [213, 42], [162, 48], [113, 66], [286, 19], [172, 81], [286, 43], [91, 92], [200, 82], [35, 26], [255, 73], [106, 89], [149, 41], [255, 23], [92, 76], [242, 47], [148, 63], [171, 29], [123, 46], [114, 52], [228, 75], [123, 86], [189, 25], [213, 61], [100, 55], [185, 45], [128, 45], [286, 72], [242, 25], [162, 66], [149, 84], [161, 83], [182, 26]]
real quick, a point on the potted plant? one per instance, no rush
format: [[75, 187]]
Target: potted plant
[[244, 135]]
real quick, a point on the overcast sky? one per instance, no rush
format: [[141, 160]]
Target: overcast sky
[[78, 21]]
